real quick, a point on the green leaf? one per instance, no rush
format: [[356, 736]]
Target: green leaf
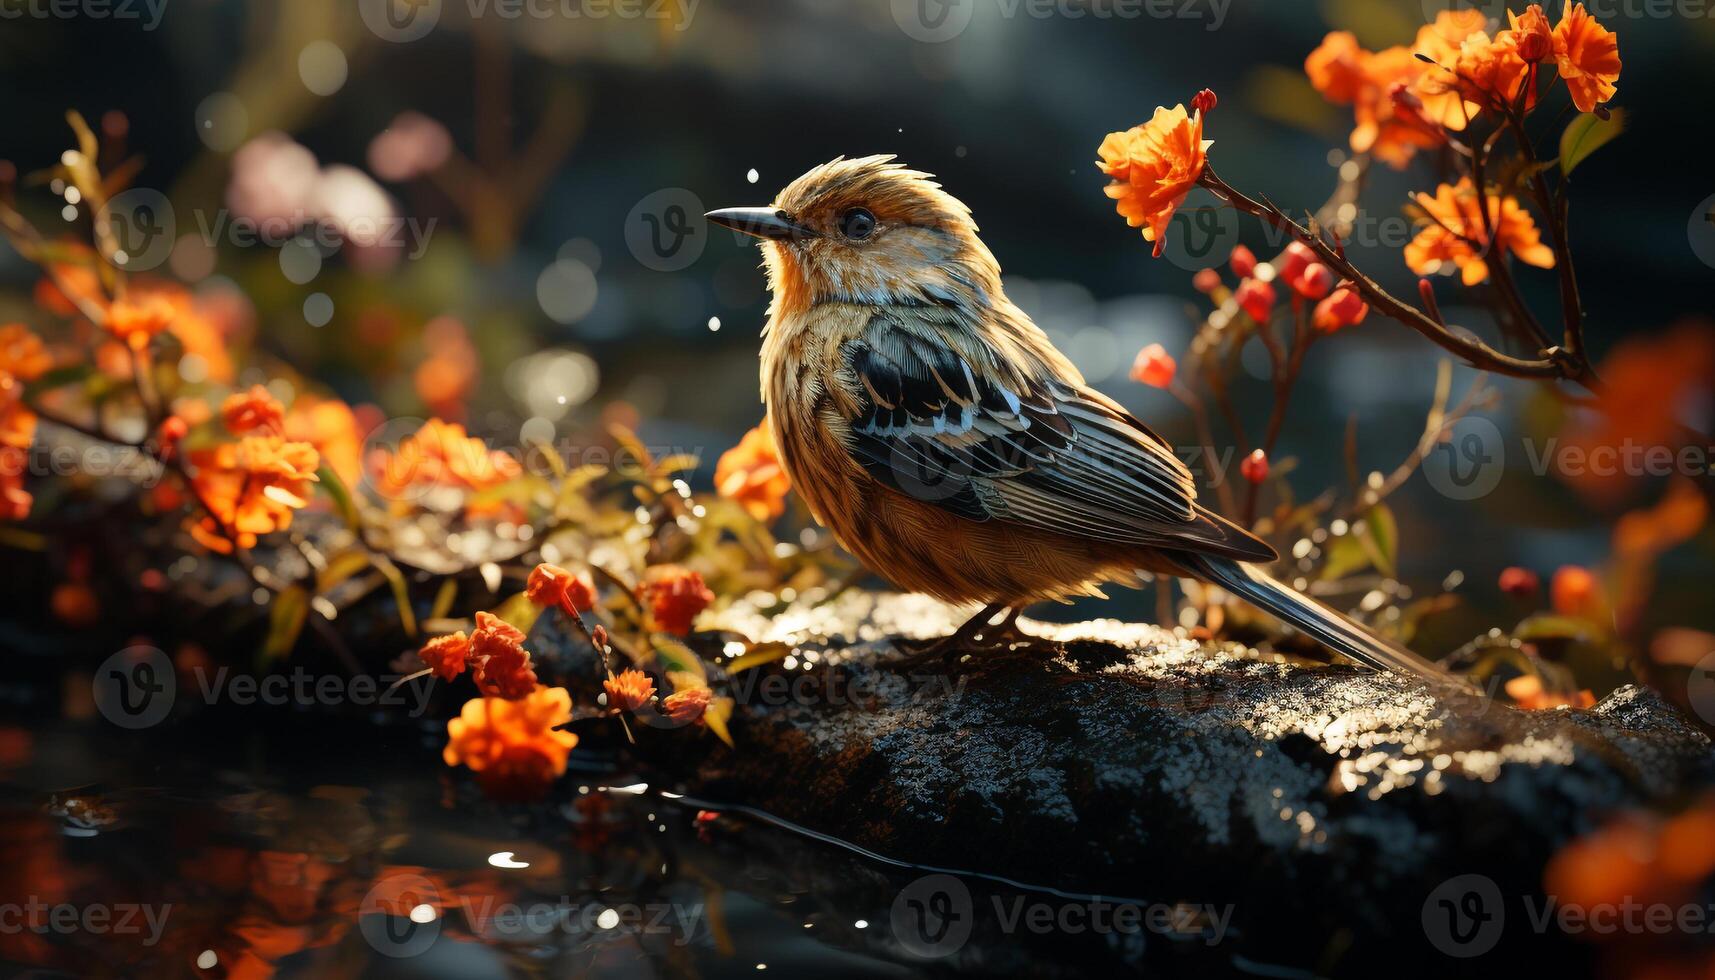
[[1346, 554], [756, 656], [716, 715], [519, 612], [1587, 134], [444, 598], [285, 621], [401, 593], [69, 374], [341, 495], [677, 656], [1547, 626], [1381, 538]]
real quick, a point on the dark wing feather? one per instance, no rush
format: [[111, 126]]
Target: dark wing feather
[[1044, 454]]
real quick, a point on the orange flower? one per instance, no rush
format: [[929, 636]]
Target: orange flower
[[1573, 590], [17, 428], [1588, 56], [503, 668], [551, 585], [513, 746], [331, 426], [1454, 232], [1154, 367], [687, 705], [1154, 166], [441, 454], [137, 319], [1436, 85], [1342, 308], [446, 655], [252, 486], [1488, 73], [1337, 68], [1530, 30], [1520, 583], [751, 474], [1527, 692], [675, 596], [629, 690], [82, 282], [253, 411], [22, 354]]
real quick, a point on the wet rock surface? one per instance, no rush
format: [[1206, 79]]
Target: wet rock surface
[[1328, 812]]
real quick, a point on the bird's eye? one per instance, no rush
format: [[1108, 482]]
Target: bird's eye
[[857, 224]]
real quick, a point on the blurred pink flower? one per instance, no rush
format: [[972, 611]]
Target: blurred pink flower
[[411, 146], [273, 178]]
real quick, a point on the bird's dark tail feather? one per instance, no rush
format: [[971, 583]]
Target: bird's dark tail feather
[[1322, 623]]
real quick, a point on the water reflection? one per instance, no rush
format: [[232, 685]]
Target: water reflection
[[264, 844]]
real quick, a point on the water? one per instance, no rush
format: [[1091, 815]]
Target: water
[[245, 843]]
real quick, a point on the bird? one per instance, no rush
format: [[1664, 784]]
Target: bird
[[934, 429]]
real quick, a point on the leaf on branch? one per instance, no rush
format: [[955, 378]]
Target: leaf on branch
[[1381, 538], [285, 621], [1587, 134], [335, 488]]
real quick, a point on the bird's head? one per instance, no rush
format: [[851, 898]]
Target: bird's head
[[872, 232]]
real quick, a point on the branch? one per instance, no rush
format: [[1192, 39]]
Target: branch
[[1475, 353]]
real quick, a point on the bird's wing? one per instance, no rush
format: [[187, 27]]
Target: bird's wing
[[993, 444]]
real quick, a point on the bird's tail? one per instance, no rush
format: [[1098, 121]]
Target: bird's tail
[[1322, 623]]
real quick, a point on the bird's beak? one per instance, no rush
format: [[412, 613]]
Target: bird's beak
[[771, 223]]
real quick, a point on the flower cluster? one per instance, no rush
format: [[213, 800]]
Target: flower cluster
[[675, 596], [253, 486], [1405, 98], [1464, 229], [442, 455], [514, 746], [494, 654], [23, 359]]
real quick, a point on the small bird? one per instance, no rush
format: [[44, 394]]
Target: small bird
[[941, 437]]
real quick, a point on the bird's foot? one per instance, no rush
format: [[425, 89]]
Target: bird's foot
[[979, 635]]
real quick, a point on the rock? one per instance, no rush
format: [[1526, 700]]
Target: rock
[[1332, 811]]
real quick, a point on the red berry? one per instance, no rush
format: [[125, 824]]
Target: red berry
[[1255, 466]]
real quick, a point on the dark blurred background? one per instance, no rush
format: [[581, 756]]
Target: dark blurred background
[[555, 145]]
